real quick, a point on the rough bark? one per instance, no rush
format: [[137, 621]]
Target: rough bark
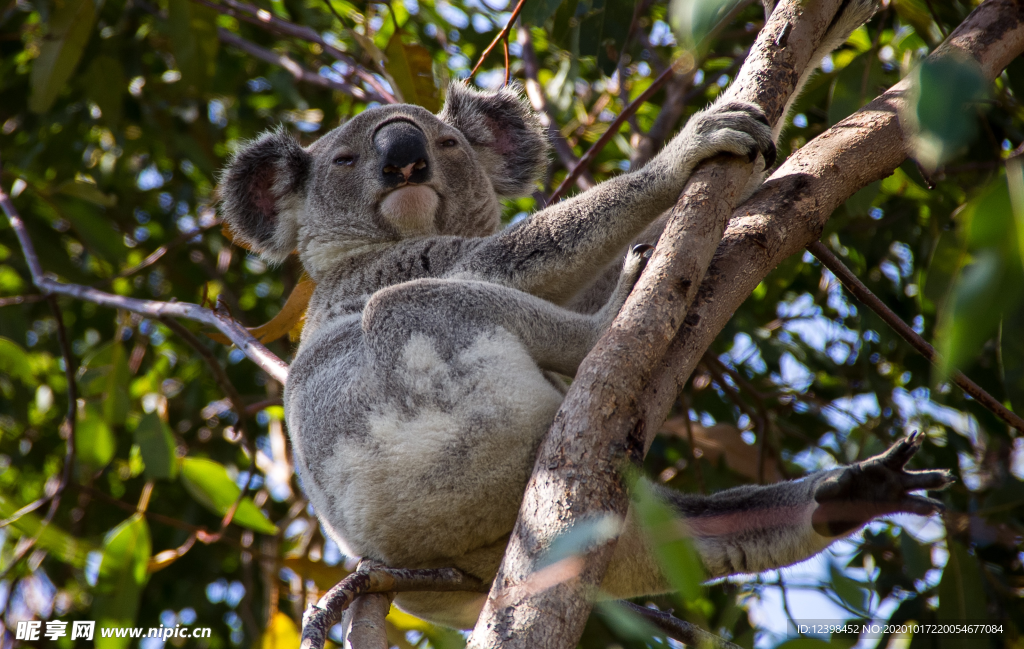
[[599, 424]]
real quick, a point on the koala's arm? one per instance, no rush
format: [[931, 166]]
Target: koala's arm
[[562, 248]]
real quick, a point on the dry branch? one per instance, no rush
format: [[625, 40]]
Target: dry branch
[[228, 326], [681, 630], [600, 424]]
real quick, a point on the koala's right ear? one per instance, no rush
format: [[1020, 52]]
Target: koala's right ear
[[262, 191], [507, 135]]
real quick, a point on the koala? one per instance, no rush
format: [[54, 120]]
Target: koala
[[428, 369]]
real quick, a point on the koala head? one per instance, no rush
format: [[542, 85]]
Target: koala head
[[390, 173]]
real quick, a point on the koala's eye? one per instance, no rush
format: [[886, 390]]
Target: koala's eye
[[345, 160], [450, 142]]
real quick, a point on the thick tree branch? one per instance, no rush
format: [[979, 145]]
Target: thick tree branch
[[791, 208], [228, 326], [600, 424], [856, 287]]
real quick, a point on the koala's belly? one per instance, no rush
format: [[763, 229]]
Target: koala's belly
[[425, 461]]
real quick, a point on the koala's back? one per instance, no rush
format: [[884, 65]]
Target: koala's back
[[422, 458]]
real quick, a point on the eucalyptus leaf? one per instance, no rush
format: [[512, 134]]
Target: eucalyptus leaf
[[411, 68], [14, 362], [157, 447], [67, 34], [209, 483], [122, 576]]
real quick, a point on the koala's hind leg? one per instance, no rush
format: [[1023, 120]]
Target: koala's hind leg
[[453, 314]]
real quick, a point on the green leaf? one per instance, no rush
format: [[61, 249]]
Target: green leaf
[[851, 89], [944, 122], [580, 538], [193, 32], [211, 486], [961, 595], [14, 362], [673, 548], [53, 539], [157, 446], [86, 192], [948, 258], [693, 20], [536, 12], [625, 623], [851, 592], [117, 400], [122, 576], [412, 69], [94, 442], [860, 203], [106, 375], [87, 218], [916, 559], [105, 85], [1011, 356], [68, 32], [989, 286]]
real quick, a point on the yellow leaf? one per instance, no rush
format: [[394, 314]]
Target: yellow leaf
[[288, 320], [412, 69], [281, 633]]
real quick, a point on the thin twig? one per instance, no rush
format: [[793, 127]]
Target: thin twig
[[334, 11], [935, 17], [293, 68], [252, 348], [157, 254], [502, 35], [869, 299], [535, 93], [219, 374], [681, 630], [21, 299], [372, 577], [264, 19], [607, 136]]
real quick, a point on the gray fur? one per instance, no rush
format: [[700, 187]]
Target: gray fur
[[423, 383]]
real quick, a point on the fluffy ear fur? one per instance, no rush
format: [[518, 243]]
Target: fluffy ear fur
[[262, 190], [506, 134]]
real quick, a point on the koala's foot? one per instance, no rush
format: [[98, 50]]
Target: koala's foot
[[856, 494], [633, 266], [735, 127]]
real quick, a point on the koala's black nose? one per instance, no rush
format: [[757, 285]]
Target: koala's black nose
[[403, 148]]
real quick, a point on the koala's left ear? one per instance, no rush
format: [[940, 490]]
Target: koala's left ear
[[262, 191], [508, 138]]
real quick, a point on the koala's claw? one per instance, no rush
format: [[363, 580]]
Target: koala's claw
[[645, 250], [854, 495]]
